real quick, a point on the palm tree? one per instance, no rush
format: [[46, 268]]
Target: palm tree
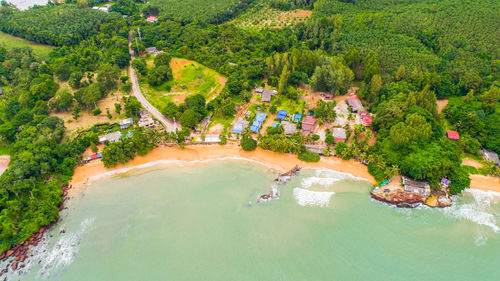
[[391, 171]]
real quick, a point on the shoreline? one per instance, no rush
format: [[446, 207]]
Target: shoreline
[[194, 155]]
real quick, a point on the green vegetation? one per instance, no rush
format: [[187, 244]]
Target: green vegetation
[[248, 143], [10, 42], [263, 16], [309, 156], [214, 11], [189, 77], [53, 25]]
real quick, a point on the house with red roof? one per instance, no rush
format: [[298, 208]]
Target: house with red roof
[[452, 135], [151, 19], [366, 118], [308, 124]]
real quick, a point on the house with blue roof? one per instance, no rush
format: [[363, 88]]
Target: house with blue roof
[[298, 117], [281, 115], [257, 124], [260, 117]]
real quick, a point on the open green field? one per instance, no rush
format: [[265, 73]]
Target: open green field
[[10, 42], [263, 16], [190, 77]]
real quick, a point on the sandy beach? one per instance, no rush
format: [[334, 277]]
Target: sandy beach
[[199, 154]]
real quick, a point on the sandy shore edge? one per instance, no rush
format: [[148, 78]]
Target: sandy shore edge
[[199, 154]]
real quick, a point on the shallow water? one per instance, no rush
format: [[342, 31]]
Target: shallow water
[[202, 223]]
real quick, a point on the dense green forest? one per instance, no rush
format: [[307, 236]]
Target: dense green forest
[[62, 25], [213, 11]]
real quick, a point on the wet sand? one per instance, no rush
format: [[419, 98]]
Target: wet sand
[[197, 154]]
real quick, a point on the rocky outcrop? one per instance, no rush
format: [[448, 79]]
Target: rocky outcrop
[[274, 193], [399, 199]]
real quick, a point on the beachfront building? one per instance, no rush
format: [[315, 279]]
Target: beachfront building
[[240, 125], [452, 135], [355, 103], [308, 125], [339, 134], [290, 128], [316, 148], [281, 115], [125, 123], [420, 188], [111, 137], [490, 156]]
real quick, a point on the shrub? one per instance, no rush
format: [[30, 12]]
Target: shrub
[[330, 139], [248, 143], [96, 111], [316, 137], [309, 156]]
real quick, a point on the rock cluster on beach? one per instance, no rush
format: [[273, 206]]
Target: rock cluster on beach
[[403, 199], [19, 253], [274, 193]]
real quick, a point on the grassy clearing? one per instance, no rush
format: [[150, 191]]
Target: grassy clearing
[[263, 16], [10, 42], [190, 77]]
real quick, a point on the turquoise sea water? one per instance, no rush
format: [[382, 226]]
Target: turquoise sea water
[[202, 223]]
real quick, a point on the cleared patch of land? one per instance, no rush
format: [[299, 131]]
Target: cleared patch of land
[[190, 77], [472, 162], [11, 42], [87, 119], [266, 17], [442, 104]]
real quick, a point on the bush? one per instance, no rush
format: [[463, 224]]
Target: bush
[[248, 143], [330, 139], [309, 156], [316, 137], [376, 172], [96, 111], [460, 180], [273, 109]]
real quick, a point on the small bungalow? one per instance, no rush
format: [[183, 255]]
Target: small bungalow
[[297, 117], [111, 137], [147, 122], [339, 134], [240, 126], [354, 101], [267, 94], [366, 119], [420, 188], [308, 124], [153, 51], [290, 128], [281, 115], [452, 135], [151, 19], [490, 156], [260, 117], [255, 126], [125, 123]]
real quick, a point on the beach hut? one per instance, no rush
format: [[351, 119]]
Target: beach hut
[[452, 135], [99, 155], [420, 188], [445, 181], [354, 101], [240, 126], [308, 124], [339, 134], [281, 115], [260, 117], [290, 128]]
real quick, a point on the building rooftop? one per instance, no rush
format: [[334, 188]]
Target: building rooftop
[[452, 135], [490, 156], [339, 133], [290, 128]]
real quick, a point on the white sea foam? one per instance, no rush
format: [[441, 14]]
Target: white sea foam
[[479, 211], [325, 177], [49, 257], [306, 197], [310, 181]]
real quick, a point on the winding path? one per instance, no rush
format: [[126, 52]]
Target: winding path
[[136, 92]]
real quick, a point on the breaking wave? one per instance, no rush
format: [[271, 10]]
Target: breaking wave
[[49, 256], [306, 197], [480, 210]]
